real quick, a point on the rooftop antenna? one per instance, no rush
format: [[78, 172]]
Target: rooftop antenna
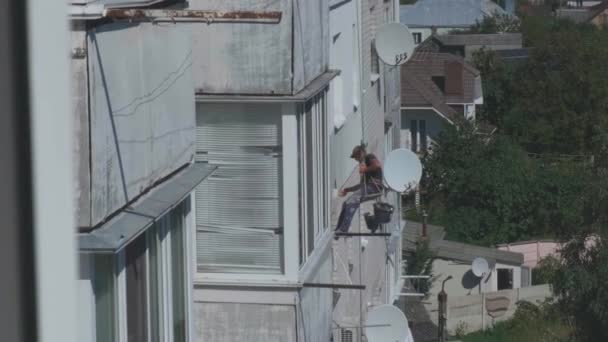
[[387, 323], [394, 44], [402, 170]]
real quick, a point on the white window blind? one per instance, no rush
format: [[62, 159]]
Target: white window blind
[[239, 208]]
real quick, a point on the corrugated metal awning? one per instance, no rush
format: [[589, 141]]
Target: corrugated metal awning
[[115, 234]]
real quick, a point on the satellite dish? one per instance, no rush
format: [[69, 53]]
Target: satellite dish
[[480, 266], [402, 170], [394, 44], [386, 323]]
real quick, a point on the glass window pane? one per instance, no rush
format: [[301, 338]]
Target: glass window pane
[[154, 278], [137, 301], [104, 288], [178, 274]]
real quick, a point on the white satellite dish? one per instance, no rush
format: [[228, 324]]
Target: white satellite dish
[[386, 323], [402, 170], [480, 266], [394, 44]]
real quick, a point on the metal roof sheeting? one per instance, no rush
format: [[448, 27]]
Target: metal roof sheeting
[[481, 39], [447, 13], [455, 250], [115, 234]]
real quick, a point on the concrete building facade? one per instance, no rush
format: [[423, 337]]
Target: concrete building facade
[[133, 112], [205, 174]]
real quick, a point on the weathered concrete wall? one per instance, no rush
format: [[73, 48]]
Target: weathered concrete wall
[[243, 58], [261, 58], [142, 109], [344, 88], [234, 322], [315, 316], [80, 118], [469, 312], [311, 41]]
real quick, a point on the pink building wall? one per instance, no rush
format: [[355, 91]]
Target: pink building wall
[[533, 251]]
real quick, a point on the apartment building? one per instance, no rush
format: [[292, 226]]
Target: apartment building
[[211, 139], [134, 124], [366, 106]]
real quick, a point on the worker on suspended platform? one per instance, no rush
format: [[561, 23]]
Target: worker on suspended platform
[[370, 187]]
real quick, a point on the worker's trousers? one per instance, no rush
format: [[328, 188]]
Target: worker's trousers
[[352, 203]]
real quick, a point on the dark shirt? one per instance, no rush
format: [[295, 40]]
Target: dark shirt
[[372, 176]]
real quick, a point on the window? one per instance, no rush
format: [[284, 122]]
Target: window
[[239, 223], [417, 37], [414, 135], [105, 292], [439, 82], [137, 290], [314, 174], [375, 61], [147, 282], [422, 132], [505, 278]]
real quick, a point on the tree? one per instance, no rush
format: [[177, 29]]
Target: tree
[[495, 23], [494, 193], [581, 277], [553, 102]]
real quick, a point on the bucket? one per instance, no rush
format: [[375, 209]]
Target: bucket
[[383, 212], [370, 221]]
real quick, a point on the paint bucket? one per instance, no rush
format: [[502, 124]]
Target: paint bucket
[[383, 212]]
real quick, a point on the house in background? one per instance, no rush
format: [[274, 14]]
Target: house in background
[[436, 89], [465, 45], [454, 259], [596, 15], [426, 17]]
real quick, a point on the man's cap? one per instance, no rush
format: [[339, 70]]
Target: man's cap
[[357, 150]]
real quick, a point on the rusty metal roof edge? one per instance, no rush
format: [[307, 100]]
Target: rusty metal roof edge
[[115, 234], [312, 89]]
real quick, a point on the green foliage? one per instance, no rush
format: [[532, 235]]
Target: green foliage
[[421, 263], [530, 323], [544, 272], [580, 285], [553, 102], [497, 23], [494, 193]]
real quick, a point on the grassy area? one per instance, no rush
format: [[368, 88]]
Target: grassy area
[[530, 323]]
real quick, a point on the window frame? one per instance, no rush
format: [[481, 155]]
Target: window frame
[[168, 223], [313, 147], [417, 36]]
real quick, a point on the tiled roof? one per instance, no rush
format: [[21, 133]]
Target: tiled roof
[[418, 89], [447, 13]]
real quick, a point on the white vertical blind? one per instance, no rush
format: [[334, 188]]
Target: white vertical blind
[[238, 208]]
